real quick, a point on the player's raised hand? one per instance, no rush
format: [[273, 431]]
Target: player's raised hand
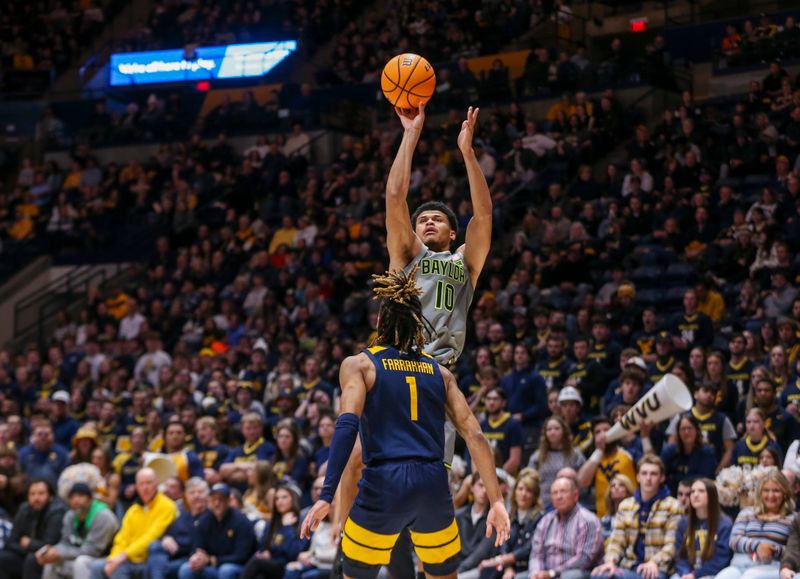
[[412, 118], [468, 130], [314, 517], [498, 521]]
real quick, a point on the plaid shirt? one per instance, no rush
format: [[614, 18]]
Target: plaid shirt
[[566, 543], [659, 534]]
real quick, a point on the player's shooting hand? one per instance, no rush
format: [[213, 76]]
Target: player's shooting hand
[[498, 521], [410, 118], [314, 517], [468, 130]]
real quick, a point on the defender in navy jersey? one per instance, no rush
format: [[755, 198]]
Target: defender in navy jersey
[[397, 397]]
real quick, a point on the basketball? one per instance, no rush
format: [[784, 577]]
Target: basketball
[[408, 80]]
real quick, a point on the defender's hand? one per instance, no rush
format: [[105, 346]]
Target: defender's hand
[[498, 521], [314, 517]]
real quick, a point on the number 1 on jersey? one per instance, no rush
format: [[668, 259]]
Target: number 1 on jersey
[[412, 390]]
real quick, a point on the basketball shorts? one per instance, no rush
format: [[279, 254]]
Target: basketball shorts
[[395, 495]]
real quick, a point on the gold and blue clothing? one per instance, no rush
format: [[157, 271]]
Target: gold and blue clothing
[[746, 452], [403, 415], [402, 436]]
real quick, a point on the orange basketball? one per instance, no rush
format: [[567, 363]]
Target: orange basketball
[[408, 80]]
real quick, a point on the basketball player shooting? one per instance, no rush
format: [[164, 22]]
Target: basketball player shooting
[[396, 396], [447, 279]]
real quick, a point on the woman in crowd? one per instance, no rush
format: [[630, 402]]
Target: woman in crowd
[[695, 554], [108, 491], [290, 461], [697, 363], [727, 394], [746, 451], [769, 457], [554, 453], [779, 367], [259, 495], [526, 511], [619, 489], [689, 456], [317, 561], [684, 372], [760, 532], [758, 374], [282, 543], [769, 339], [322, 444], [753, 348], [83, 444]]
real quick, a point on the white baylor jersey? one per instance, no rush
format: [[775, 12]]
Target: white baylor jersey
[[446, 296]]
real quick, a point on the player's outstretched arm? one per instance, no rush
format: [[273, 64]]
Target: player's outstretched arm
[[468, 427], [479, 230], [402, 242], [353, 379]]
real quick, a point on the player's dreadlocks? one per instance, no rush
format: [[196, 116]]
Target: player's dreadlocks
[[400, 320]]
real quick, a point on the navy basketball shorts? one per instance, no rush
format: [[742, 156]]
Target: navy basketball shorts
[[393, 496]]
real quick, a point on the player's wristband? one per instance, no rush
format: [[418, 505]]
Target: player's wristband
[[344, 438]]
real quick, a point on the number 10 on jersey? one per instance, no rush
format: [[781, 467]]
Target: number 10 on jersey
[[445, 296]]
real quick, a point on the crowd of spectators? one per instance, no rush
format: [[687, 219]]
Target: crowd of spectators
[[84, 204], [442, 31], [173, 23], [760, 40], [224, 357], [48, 35]]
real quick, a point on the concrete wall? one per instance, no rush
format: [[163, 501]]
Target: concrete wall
[[739, 82], [32, 280]]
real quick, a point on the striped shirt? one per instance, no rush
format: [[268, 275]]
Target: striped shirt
[[749, 532], [574, 541]]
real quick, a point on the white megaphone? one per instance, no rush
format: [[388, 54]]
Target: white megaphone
[[663, 401], [162, 465]]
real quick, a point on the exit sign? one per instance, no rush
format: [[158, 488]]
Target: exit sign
[[639, 24]]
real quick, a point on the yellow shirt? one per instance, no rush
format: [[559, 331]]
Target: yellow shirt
[[142, 525], [610, 466], [282, 237], [118, 305], [713, 306]]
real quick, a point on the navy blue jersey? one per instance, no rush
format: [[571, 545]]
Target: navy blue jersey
[[404, 412]]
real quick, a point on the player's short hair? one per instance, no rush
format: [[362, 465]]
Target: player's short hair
[[436, 206]]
